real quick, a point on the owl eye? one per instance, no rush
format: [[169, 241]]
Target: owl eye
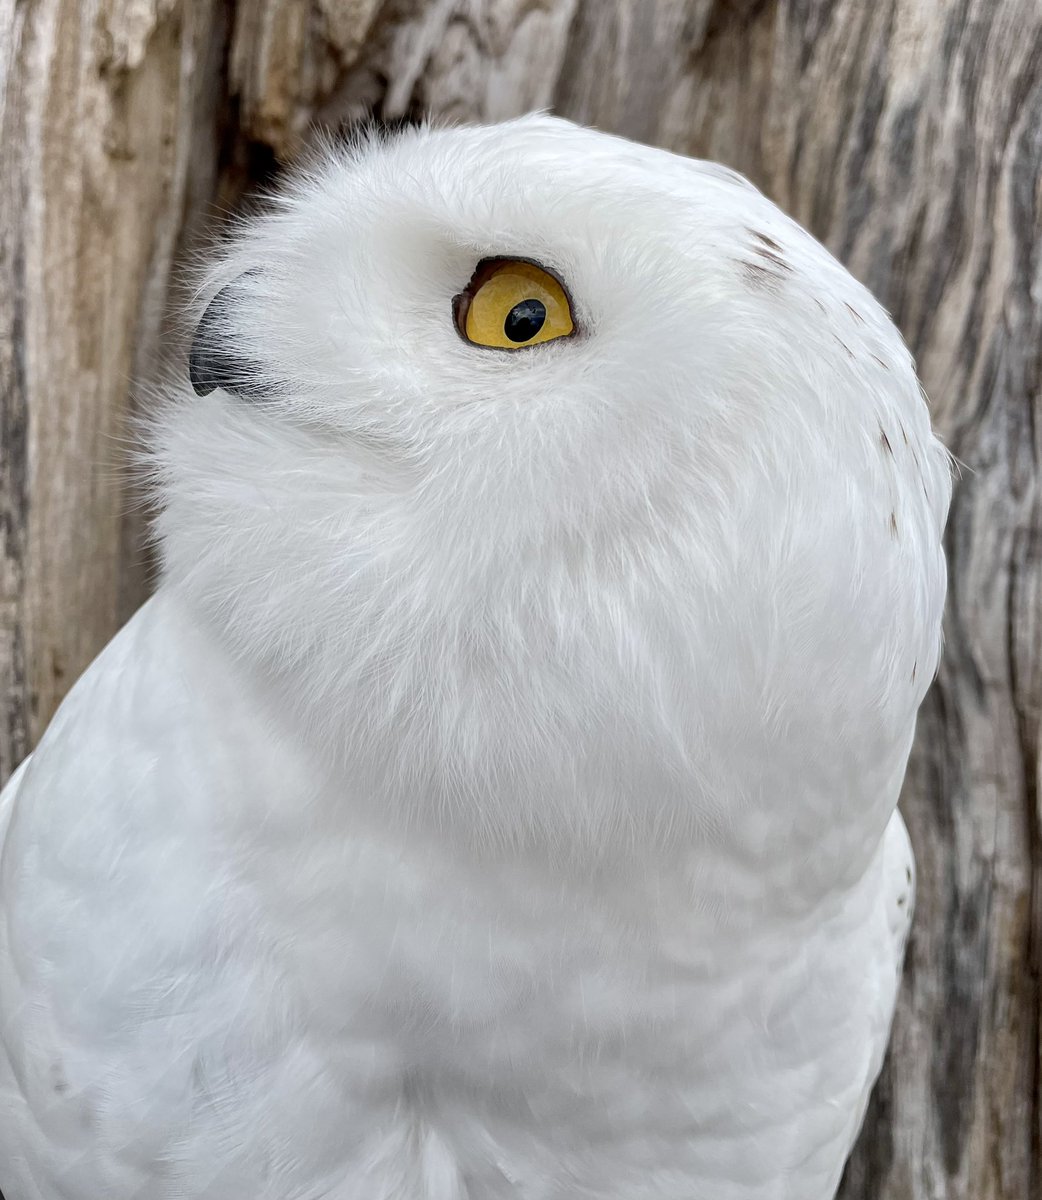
[[511, 303]]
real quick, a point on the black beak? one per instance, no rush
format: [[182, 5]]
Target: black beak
[[215, 361]]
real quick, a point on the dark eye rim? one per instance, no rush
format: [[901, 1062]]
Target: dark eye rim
[[482, 273]]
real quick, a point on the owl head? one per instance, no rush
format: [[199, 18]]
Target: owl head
[[559, 486]]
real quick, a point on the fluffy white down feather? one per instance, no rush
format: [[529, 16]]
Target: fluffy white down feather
[[497, 799]]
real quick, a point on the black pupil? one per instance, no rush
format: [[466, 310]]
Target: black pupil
[[525, 320]]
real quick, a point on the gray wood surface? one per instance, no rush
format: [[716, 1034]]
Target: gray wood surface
[[907, 134]]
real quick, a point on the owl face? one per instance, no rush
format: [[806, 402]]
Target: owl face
[[583, 438], [534, 307]]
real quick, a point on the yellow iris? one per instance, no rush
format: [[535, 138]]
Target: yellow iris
[[510, 304]]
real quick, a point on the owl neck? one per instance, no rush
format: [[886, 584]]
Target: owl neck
[[580, 763]]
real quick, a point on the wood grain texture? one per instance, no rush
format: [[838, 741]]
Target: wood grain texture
[[100, 107], [907, 134]]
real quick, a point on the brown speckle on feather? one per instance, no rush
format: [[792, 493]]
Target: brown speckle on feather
[[776, 259], [769, 242], [761, 278]]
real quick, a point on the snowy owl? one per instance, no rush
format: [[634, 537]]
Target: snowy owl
[[496, 801]]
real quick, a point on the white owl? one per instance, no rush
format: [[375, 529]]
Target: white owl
[[497, 799]]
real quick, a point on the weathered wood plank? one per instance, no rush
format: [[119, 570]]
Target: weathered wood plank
[[101, 105]]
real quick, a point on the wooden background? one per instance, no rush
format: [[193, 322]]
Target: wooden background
[[907, 134]]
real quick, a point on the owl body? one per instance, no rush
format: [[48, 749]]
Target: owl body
[[498, 797]]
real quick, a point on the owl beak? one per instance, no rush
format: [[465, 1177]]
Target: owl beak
[[215, 361]]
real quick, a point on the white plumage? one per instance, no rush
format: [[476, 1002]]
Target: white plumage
[[497, 799]]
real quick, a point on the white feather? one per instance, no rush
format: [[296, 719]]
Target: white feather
[[498, 797]]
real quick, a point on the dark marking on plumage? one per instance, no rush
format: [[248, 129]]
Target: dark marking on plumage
[[902, 901], [915, 668], [850, 353], [904, 434], [908, 874], [59, 1083], [855, 314], [885, 441], [880, 361], [774, 258], [893, 524], [770, 269], [821, 306], [769, 242], [761, 278]]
